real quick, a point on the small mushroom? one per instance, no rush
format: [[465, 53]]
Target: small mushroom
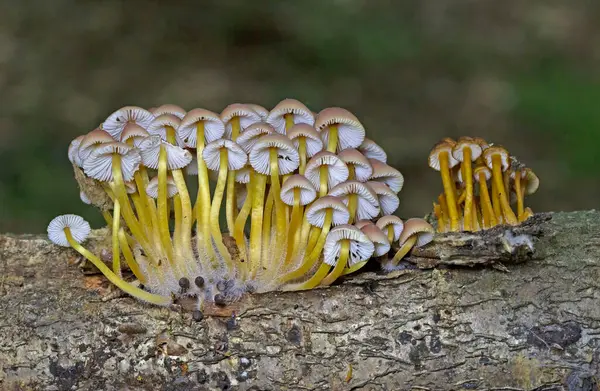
[[416, 233]]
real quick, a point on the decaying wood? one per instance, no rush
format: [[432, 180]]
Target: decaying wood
[[533, 324]]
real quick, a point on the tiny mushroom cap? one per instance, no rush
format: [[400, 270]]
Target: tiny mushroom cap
[[134, 132], [192, 168], [236, 157], [306, 188], [84, 198], [387, 174], [297, 109], [214, 128], [168, 109], [394, 221], [92, 139], [362, 167], [250, 136], [372, 150], [419, 227], [532, 181], [260, 110], [463, 143], [497, 150], [361, 248], [315, 213], [159, 127], [388, 199], [337, 171], [482, 170], [80, 229], [242, 175], [99, 165], [73, 151], [287, 155], [437, 150], [152, 188], [130, 187], [351, 133], [245, 113], [314, 144], [378, 238], [177, 157], [482, 143], [367, 205], [115, 123]]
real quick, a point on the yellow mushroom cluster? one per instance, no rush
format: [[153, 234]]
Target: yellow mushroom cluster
[[306, 198], [483, 186]]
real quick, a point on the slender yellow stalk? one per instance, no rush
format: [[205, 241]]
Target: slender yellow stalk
[[489, 217], [449, 190], [354, 268], [266, 236], [294, 225], [130, 259], [340, 265], [203, 197], [215, 207], [116, 258], [404, 249], [162, 208], [260, 182], [302, 154], [352, 206], [333, 138], [177, 231], [185, 223], [468, 178], [107, 217], [314, 280], [507, 212], [323, 180], [289, 121], [240, 223]]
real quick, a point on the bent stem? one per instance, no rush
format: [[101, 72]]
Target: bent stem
[[256, 222], [404, 249], [354, 267], [340, 265], [185, 223], [489, 217], [116, 259], [215, 207], [203, 197], [240, 223], [130, 259]]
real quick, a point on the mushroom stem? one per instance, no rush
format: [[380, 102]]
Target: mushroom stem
[[294, 224], [240, 222], [468, 178], [177, 232], [520, 205], [289, 121], [266, 235], [215, 207], [186, 214], [203, 196], [509, 215], [354, 267], [107, 217], [323, 176], [116, 259], [302, 154], [279, 205], [489, 217], [338, 270], [449, 190], [351, 172], [445, 214], [129, 258], [230, 202], [437, 212], [260, 183], [352, 206], [112, 277], [333, 139], [390, 233], [404, 249], [162, 208], [496, 203]]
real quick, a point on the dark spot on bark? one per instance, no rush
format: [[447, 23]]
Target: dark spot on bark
[[221, 380], [294, 335], [563, 335], [448, 312], [184, 284], [417, 327], [581, 381], [220, 300], [470, 385], [202, 376], [68, 377], [232, 324], [417, 353], [435, 345], [82, 348], [436, 316], [404, 337], [379, 343], [370, 287], [197, 315], [483, 360]]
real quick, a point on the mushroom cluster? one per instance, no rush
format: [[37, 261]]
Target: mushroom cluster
[[483, 185], [307, 198]]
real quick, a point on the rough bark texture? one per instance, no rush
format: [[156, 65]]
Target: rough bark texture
[[529, 325]]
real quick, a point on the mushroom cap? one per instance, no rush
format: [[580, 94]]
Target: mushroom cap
[[252, 133], [314, 144], [362, 167], [387, 174], [159, 127], [135, 132], [242, 175], [80, 229], [372, 150], [437, 150], [396, 222], [420, 227], [177, 157], [214, 128], [90, 140], [192, 168], [300, 112], [99, 164], [482, 169], [73, 152], [360, 249], [244, 112], [337, 171], [84, 198], [532, 181], [367, 205], [236, 157], [130, 187], [388, 199], [494, 150], [260, 110], [351, 132], [463, 143], [361, 223], [378, 238], [482, 143], [315, 212], [152, 188], [297, 181], [115, 123], [288, 159], [168, 108]]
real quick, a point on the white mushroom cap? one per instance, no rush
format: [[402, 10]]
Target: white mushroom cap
[[287, 155], [362, 167], [192, 168], [532, 181], [115, 123], [337, 171], [84, 198], [361, 223], [297, 181], [315, 213], [314, 144], [260, 110], [500, 151], [437, 150], [252, 133], [351, 133], [463, 143], [372, 150], [100, 163], [301, 113], [387, 174], [242, 175], [394, 221], [159, 125], [236, 157], [367, 205], [177, 157], [73, 151], [419, 227], [214, 128], [152, 188], [135, 132], [168, 109], [80, 229], [361, 248], [379, 239], [388, 199], [482, 169], [91, 140], [245, 113]]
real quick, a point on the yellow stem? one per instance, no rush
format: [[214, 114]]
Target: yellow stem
[[468, 178], [107, 217], [240, 223], [390, 233], [294, 224], [129, 258], [509, 215], [266, 235], [496, 203], [177, 232], [289, 121], [520, 205], [352, 206], [351, 173], [260, 182], [315, 279], [162, 209], [340, 265], [442, 224], [302, 154], [333, 138], [116, 258], [203, 197], [489, 219], [279, 205], [404, 249], [186, 214], [323, 177], [235, 128], [449, 190], [230, 202], [215, 207], [354, 267]]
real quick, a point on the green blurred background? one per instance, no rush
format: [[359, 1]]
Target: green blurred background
[[524, 74]]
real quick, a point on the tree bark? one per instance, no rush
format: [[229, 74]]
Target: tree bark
[[531, 322]]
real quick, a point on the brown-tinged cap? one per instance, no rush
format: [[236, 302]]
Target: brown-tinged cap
[[388, 199], [337, 171], [361, 248], [252, 133], [387, 174], [314, 144], [420, 227], [214, 128], [351, 133], [315, 212], [497, 150], [297, 181], [482, 170], [362, 167], [372, 150], [437, 150], [168, 109], [378, 238], [300, 112], [396, 222], [463, 143], [115, 123], [260, 158]]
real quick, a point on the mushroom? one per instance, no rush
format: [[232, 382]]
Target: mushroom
[[308, 142], [388, 199], [392, 226], [287, 113], [326, 170], [440, 159], [168, 109], [466, 150], [358, 165], [70, 231], [73, 152], [116, 122], [252, 134], [530, 186], [360, 199], [496, 158], [339, 129], [237, 117], [260, 110], [482, 175], [386, 174], [372, 150], [380, 242], [416, 233], [90, 141]]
